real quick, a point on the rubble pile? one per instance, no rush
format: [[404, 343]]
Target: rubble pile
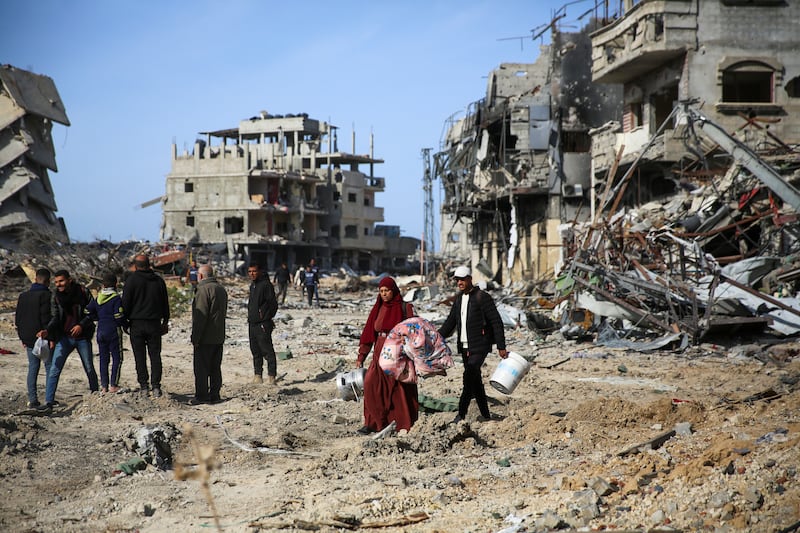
[[720, 256]]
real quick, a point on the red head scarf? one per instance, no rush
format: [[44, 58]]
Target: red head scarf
[[393, 313]]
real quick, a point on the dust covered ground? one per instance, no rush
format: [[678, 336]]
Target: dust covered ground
[[565, 455]]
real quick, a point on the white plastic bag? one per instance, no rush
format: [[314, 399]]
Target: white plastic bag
[[41, 349]]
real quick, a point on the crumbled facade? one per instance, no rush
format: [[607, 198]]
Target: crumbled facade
[[277, 189], [29, 104], [518, 164]]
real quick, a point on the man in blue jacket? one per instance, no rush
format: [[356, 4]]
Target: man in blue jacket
[[145, 303], [478, 325]]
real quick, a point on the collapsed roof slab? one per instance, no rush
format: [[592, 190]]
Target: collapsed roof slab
[[34, 93], [36, 131], [9, 111]]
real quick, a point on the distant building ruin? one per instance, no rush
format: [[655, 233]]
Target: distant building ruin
[[519, 163], [278, 189], [29, 104]]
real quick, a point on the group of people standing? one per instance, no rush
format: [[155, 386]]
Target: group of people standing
[[66, 320]]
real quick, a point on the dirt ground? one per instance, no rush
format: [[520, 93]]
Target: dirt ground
[[569, 451]]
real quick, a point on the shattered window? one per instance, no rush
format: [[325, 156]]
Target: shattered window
[[748, 82]]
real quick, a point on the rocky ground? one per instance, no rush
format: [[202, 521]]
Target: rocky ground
[[570, 451]]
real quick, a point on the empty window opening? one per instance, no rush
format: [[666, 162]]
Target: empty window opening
[[748, 82], [351, 197], [190, 221], [351, 232], [188, 187], [233, 225]]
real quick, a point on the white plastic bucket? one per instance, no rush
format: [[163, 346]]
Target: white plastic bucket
[[509, 373], [351, 384]]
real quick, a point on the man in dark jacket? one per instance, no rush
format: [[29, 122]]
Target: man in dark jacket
[[282, 276], [478, 325], [71, 328], [261, 307], [31, 319], [145, 303], [209, 307]]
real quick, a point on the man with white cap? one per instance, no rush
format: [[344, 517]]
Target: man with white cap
[[478, 325]]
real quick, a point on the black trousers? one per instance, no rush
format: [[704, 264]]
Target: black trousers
[[473, 385], [261, 348], [207, 372], [146, 340]]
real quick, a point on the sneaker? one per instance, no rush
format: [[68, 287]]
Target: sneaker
[[457, 419], [33, 405], [103, 390], [365, 430], [45, 408], [258, 379], [272, 380], [489, 418], [156, 392], [144, 392], [197, 401], [113, 390]]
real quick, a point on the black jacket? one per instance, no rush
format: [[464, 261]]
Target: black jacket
[[262, 305], [484, 325], [33, 313], [75, 299], [144, 297]]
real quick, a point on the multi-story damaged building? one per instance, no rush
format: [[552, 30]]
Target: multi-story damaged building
[[29, 104], [276, 189], [518, 164], [735, 60]]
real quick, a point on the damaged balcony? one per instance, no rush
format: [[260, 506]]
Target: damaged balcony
[[651, 33]]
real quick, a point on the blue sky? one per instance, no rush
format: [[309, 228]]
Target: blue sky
[[137, 76]]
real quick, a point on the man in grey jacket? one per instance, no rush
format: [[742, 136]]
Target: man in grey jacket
[[209, 307]]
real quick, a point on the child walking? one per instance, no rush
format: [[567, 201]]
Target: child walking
[[106, 309]]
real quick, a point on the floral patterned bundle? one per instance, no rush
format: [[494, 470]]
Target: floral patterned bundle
[[414, 348]]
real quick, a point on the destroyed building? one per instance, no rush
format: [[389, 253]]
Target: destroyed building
[[29, 104], [650, 162], [518, 164], [694, 228], [277, 188]]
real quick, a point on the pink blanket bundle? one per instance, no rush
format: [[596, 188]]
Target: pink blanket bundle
[[414, 347]]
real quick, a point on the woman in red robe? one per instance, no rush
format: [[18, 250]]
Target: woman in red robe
[[385, 398]]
